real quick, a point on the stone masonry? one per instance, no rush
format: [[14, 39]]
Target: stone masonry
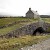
[[24, 30]]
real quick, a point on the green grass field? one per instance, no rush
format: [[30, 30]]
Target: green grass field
[[8, 44], [5, 21], [22, 22], [16, 43], [46, 20]]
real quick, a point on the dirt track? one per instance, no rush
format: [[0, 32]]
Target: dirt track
[[45, 45]]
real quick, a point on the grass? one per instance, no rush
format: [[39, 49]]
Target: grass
[[5, 21], [46, 20], [9, 29], [28, 40], [8, 44], [48, 30]]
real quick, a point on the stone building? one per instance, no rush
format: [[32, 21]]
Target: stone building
[[32, 14]]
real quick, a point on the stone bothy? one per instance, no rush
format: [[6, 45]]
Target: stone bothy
[[32, 14]]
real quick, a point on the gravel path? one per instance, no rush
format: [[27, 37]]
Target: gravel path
[[45, 45]]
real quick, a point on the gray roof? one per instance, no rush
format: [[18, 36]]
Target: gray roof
[[35, 12], [31, 11]]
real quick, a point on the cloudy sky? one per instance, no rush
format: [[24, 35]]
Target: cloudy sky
[[20, 7]]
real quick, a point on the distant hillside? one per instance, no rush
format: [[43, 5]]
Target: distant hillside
[[45, 16]]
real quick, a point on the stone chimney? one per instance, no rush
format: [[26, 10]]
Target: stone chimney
[[36, 11], [29, 9]]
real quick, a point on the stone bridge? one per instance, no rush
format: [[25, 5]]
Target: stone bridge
[[27, 29]]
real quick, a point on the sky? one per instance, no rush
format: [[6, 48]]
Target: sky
[[20, 7]]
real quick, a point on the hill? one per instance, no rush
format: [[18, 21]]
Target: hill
[[45, 16]]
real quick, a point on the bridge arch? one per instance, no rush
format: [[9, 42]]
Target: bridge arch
[[40, 30]]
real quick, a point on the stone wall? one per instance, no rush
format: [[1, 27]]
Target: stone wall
[[11, 24], [8, 25], [24, 30]]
